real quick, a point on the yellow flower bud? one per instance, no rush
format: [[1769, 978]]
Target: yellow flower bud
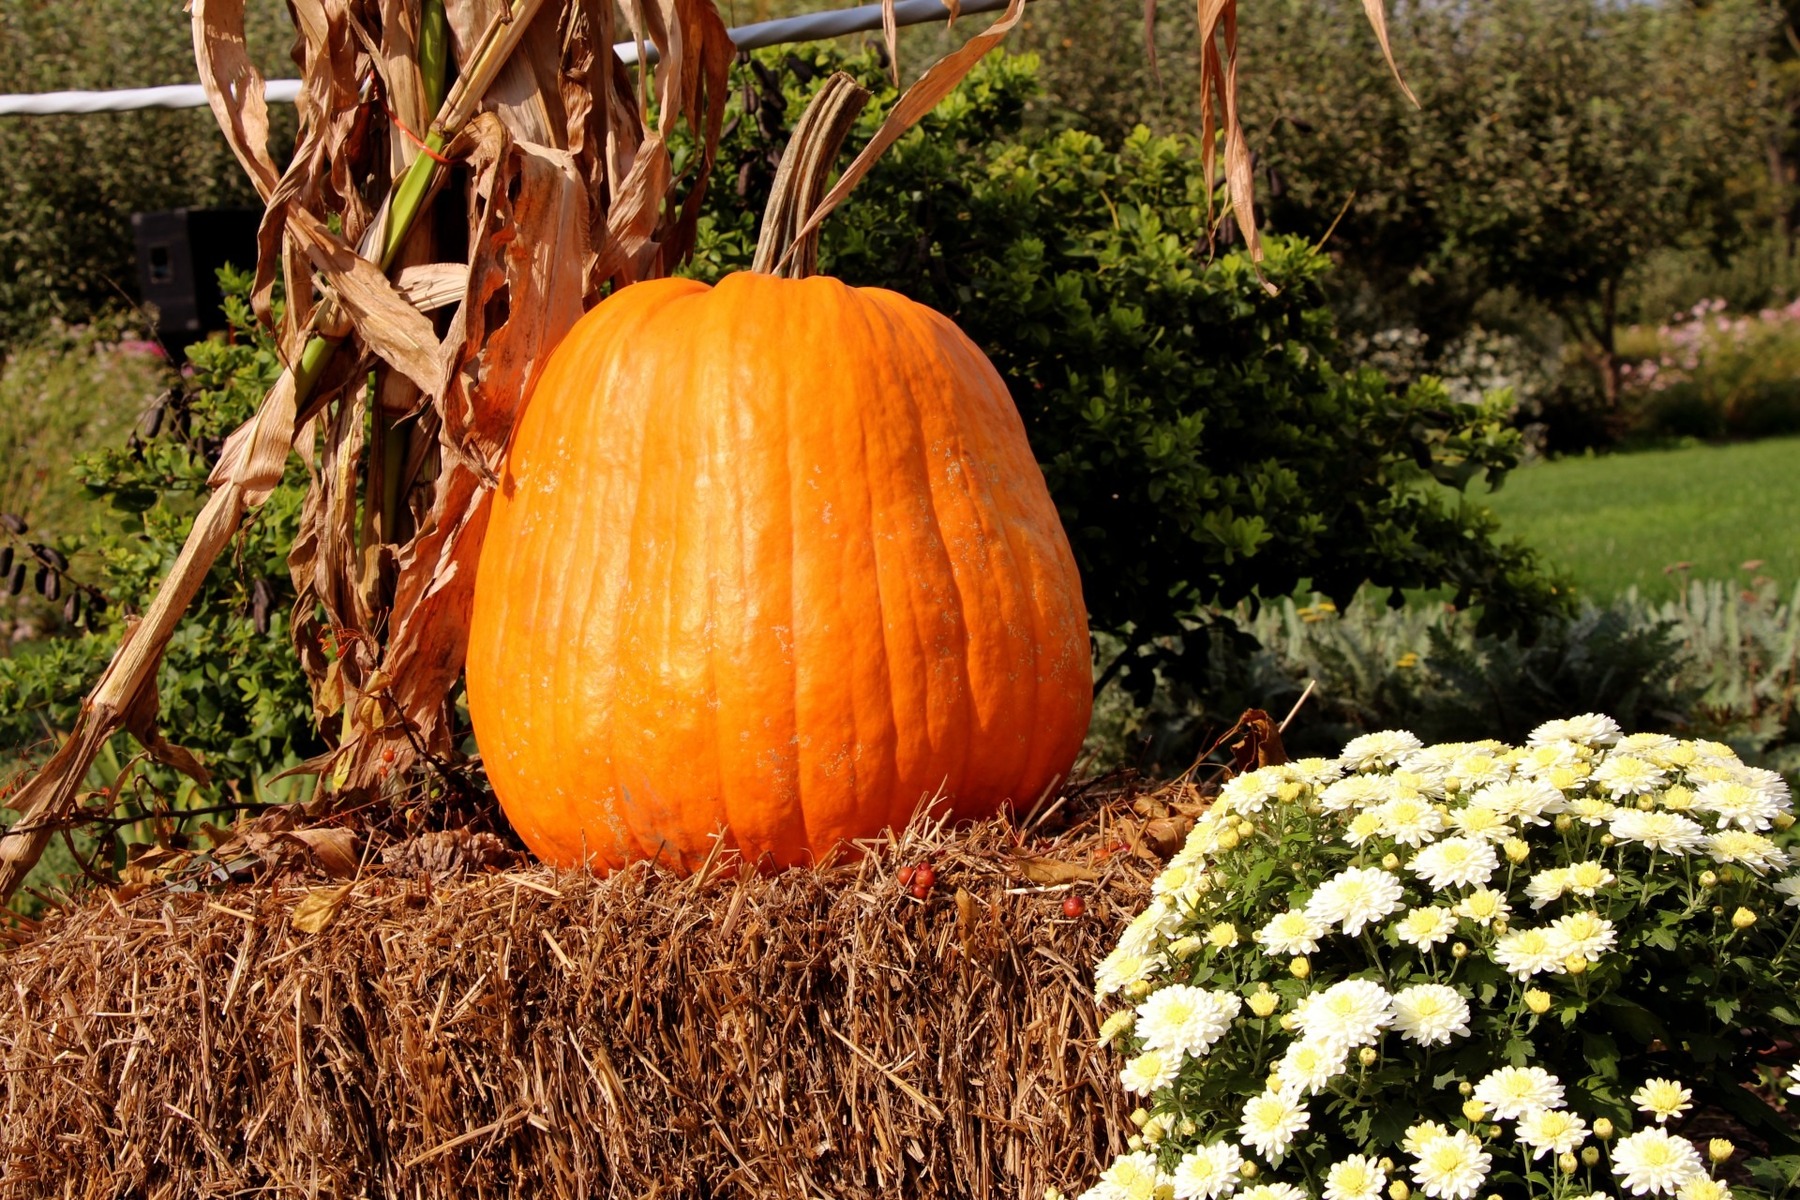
[[1051, 1193], [1459, 950], [1537, 1000], [1187, 1127], [1607, 839], [1368, 1056], [1229, 840], [1116, 1025], [1140, 1117], [1590, 1156], [1398, 1190], [1501, 925], [1720, 1149], [1273, 1082], [1390, 862], [1222, 936], [1465, 1088], [1249, 1170], [1567, 1162], [1516, 850], [1139, 989], [1575, 964], [1784, 821], [1245, 829], [1184, 948], [1564, 823], [1264, 1003], [1135, 1142], [1288, 792], [1743, 918], [1645, 803], [1603, 1128], [1387, 1165], [1709, 879], [1474, 1110], [1494, 1132], [1300, 968], [1157, 1128], [1289, 1022]]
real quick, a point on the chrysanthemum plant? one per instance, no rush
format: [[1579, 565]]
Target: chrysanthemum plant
[[1466, 971]]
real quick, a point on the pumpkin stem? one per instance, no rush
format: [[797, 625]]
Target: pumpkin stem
[[800, 179]]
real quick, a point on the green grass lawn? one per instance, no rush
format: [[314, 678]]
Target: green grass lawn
[[1618, 520]]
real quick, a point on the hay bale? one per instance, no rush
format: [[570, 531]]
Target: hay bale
[[535, 1033]]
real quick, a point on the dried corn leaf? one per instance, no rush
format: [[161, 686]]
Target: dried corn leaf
[[1376, 11], [385, 322], [234, 87], [1054, 870]]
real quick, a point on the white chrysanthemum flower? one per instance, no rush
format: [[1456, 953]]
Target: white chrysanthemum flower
[[1354, 791], [1355, 897], [1703, 1187], [1250, 793], [1771, 783], [1119, 970], [1418, 1135], [1149, 1071], [1477, 770], [1430, 1013], [1150, 928], [1184, 1020], [1483, 906], [1120, 1022], [1629, 775], [1313, 772], [1587, 878], [1362, 827], [1271, 1121], [1273, 1191], [1425, 927], [1383, 749], [1130, 1177], [1717, 752], [1455, 862], [1568, 779], [1669, 832], [1350, 1014], [1309, 1064], [1586, 935], [1291, 933], [1546, 886], [1551, 1131], [1591, 810], [1676, 756], [1753, 850], [1736, 803], [1410, 820], [1589, 729], [1523, 953], [1789, 887], [1535, 760], [1793, 1088], [1511, 1092], [1357, 1177], [1522, 801], [1176, 879], [1663, 1098], [1655, 1161], [1208, 1172], [1451, 1167], [1483, 824], [1644, 743]]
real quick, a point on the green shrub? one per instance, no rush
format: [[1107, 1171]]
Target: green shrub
[[1198, 434], [230, 686]]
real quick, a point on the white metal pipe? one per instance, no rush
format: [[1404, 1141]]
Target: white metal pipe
[[805, 28]]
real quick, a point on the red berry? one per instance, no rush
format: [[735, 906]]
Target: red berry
[[924, 875], [906, 876], [1073, 906], [920, 890], [387, 755]]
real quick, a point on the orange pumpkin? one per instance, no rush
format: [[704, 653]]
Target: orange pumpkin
[[772, 561]]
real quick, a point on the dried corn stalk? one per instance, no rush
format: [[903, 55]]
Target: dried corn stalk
[[407, 368]]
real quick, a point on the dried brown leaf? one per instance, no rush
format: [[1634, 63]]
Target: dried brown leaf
[[319, 908], [234, 87], [334, 848], [432, 285], [1377, 14], [1054, 870], [386, 323], [931, 87]]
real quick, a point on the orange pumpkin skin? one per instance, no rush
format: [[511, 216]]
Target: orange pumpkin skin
[[773, 559]]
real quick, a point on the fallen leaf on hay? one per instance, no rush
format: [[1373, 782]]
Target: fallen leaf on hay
[[1053, 870], [334, 849], [1165, 835], [318, 908]]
